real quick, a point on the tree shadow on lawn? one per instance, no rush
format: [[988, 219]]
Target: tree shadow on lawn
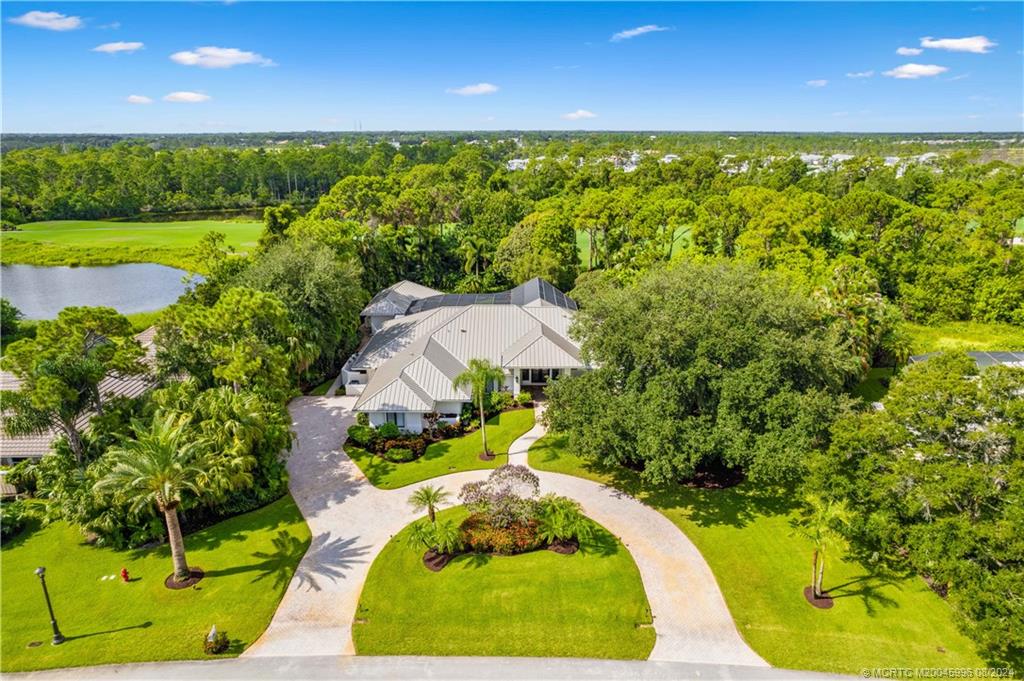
[[869, 588], [32, 525]]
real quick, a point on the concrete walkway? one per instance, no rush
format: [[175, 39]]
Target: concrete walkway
[[351, 521]]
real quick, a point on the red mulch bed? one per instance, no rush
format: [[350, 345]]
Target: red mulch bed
[[195, 574], [435, 562], [565, 547], [823, 602]]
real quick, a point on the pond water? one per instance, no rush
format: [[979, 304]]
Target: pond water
[[42, 292]]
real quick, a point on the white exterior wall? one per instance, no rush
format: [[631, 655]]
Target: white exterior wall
[[413, 420]]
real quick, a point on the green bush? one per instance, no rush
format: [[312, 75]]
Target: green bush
[[415, 443], [363, 419], [386, 430], [498, 402], [362, 436], [216, 645], [524, 399], [23, 476], [13, 515], [399, 454]]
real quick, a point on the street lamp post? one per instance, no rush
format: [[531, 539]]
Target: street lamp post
[[58, 637]]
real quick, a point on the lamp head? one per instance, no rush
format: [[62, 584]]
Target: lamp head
[[40, 571]]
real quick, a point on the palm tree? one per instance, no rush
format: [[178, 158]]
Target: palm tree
[[820, 524], [443, 537], [156, 468], [562, 519], [477, 378], [428, 498]]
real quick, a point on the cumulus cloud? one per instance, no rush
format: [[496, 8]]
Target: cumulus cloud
[[138, 99], [51, 21], [909, 51], [120, 46], [978, 44], [860, 74], [471, 90], [819, 82], [915, 71], [579, 115], [639, 30], [219, 57], [188, 97]]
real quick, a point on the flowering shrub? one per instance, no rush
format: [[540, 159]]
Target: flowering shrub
[[480, 535], [506, 498]]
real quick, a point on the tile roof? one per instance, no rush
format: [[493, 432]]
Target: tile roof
[[38, 444]]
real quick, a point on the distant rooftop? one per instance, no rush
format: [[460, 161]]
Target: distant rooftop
[[983, 359]]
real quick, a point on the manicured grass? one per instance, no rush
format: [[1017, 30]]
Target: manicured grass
[[538, 604], [583, 244], [98, 242], [448, 456], [321, 389], [746, 536], [875, 386], [248, 560], [969, 336]]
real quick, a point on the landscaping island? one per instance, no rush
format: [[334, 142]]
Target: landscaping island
[[540, 603]]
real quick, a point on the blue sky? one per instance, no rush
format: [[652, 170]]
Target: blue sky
[[423, 66]]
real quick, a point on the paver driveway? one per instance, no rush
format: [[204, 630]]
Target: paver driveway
[[351, 521]]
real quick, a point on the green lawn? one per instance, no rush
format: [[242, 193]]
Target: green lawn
[[976, 336], [248, 560], [879, 620], [875, 386], [539, 604], [322, 389], [98, 242], [447, 456]]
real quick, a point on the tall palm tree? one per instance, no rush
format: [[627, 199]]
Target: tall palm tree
[[428, 498], [156, 468], [477, 377], [820, 523]]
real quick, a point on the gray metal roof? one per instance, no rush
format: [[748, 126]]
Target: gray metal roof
[[534, 292], [396, 299], [982, 359], [415, 358]]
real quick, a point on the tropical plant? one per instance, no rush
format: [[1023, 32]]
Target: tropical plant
[[478, 377], [561, 519], [157, 468], [429, 498], [507, 497], [820, 522], [442, 537]]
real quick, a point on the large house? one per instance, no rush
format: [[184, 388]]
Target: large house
[[422, 339]]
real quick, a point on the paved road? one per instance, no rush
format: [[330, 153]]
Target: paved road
[[351, 521], [401, 668]]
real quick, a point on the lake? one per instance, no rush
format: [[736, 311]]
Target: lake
[[42, 292]]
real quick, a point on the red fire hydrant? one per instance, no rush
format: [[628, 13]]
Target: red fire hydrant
[[124, 574]]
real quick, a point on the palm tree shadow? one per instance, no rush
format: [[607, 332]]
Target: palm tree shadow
[[602, 544], [328, 558], [870, 587]]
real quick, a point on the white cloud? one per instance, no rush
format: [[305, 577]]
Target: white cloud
[[219, 57], [639, 30], [978, 44], [120, 46], [578, 115], [860, 74], [471, 90], [189, 97], [820, 82], [909, 51], [915, 71], [138, 99], [51, 21], [961, 76], [112, 26]]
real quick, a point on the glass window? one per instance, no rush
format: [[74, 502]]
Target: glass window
[[396, 417]]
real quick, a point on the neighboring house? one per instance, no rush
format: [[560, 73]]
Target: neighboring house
[[407, 366], [13, 449], [982, 359]]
